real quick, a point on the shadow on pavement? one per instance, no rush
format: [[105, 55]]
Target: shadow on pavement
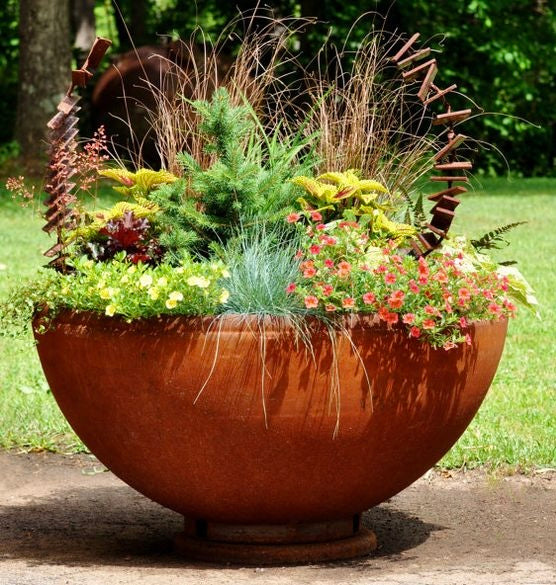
[[116, 526]]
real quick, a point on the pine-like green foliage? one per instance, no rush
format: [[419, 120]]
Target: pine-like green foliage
[[248, 180]]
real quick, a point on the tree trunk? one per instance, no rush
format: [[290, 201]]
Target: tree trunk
[[44, 72]]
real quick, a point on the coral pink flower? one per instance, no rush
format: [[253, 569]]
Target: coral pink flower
[[413, 286], [330, 308], [449, 345], [423, 267], [396, 258], [408, 318], [441, 277], [298, 255], [311, 302], [344, 268], [495, 309], [293, 217], [315, 249], [389, 278], [369, 298], [423, 279], [327, 290], [329, 263], [320, 227], [395, 302], [316, 216], [463, 322], [464, 294], [431, 310], [415, 332], [291, 287], [392, 318], [383, 313], [348, 303], [428, 324], [309, 272]]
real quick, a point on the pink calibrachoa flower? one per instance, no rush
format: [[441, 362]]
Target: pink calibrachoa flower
[[429, 324], [369, 298], [488, 294], [423, 279], [468, 339], [330, 308], [311, 302], [429, 310], [309, 272], [383, 313], [315, 249], [291, 287], [389, 278], [395, 300], [423, 267], [329, 263], [344, 269], [464, 294], [495, 309], [413, 286], [463, 322], [348, 303], [408, 318], [392, 318], [327, 289], [293, 217], [448, 345], [298, 255], [320, 227], [415, 332], [441, 277], [316, 216]]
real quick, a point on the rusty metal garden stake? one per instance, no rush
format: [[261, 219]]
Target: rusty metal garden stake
[[60, 214]]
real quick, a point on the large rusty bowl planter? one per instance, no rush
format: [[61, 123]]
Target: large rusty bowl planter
[[233, 423]]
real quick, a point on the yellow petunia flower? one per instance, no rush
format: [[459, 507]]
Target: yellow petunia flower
[[199, 281]]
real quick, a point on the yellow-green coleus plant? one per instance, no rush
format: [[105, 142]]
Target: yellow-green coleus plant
[[137, 185], [338, 195]]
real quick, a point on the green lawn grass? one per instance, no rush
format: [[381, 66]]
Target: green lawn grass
[[516, 426]]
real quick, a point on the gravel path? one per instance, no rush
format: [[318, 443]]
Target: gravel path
[[66, 521]]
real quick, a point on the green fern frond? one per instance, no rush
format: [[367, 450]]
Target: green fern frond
[[493, 239]]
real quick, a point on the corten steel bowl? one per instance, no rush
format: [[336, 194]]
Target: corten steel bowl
[[233, 422]]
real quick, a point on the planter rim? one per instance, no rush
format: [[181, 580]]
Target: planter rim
[[235, 321]]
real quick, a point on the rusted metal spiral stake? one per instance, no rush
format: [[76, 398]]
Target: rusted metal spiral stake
[[60, 214], [445, 159]]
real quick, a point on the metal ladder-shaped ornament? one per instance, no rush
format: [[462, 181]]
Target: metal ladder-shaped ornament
[[62, 138], [452, 170]]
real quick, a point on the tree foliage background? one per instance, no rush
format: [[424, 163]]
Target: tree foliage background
[[502, 53]]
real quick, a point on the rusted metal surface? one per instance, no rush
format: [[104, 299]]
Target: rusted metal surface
[[60, 214], [220, 461], [196, 548], [446, 158]]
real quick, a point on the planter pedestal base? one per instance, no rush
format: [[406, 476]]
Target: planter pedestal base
[[274, 544]]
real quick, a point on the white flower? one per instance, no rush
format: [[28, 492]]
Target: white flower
[[146, 280], [162, 282], [153, 293], [3, 267], [199, 281], [224, 296], [176, 295], [110, 310]]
